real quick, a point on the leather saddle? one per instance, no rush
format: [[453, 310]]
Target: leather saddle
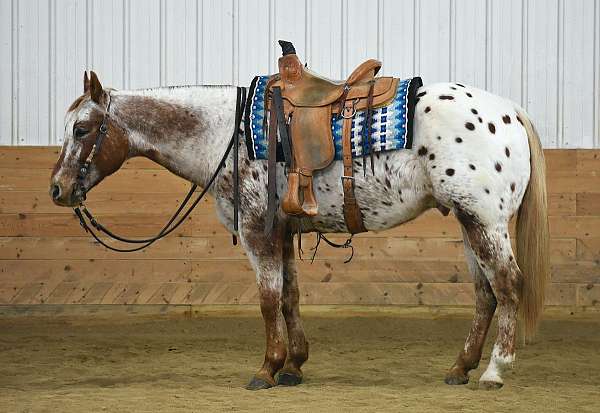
[[301, 105]]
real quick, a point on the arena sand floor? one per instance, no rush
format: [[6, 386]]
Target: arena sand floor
[[362, 359]]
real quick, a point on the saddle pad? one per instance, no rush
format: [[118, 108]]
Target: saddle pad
[[391, 127]]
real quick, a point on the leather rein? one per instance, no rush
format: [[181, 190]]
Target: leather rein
[[176, 220]]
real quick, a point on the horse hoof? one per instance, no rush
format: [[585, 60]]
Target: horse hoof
[[490, 385], [288, 379], [258, 384], [454, 380]]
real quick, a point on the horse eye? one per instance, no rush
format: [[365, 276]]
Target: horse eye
[[80, 132]]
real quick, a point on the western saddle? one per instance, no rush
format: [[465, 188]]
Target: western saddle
[[301, 105]]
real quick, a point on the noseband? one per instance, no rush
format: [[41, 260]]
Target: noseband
[[176, 220]]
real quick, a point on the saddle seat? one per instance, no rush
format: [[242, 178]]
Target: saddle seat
[[311, 90], [308, 103]]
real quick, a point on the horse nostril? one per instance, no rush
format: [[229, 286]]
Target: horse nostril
[[55, 192]]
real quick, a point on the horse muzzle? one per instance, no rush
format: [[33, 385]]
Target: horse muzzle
[[63, 197]]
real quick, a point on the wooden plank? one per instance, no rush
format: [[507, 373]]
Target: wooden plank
[[430, 224], [106, 203], [234, 270], [220, 248], [562, 204], [588, 160], [588, 204], [163, 294], [576, 272], [45, 157], [574, 183], [561, 294], [39, 202], [95, 293], [124, 181], [589, 249], [50, 272], [63, 225], [589, 294], [9, 291], [60, 295], [574, 227], [27, 294], [135, 180], [560, 160], [310, 293]]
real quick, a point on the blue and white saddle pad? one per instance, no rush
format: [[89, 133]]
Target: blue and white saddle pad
[[391, 127]]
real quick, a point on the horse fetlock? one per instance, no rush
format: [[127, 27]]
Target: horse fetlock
[[499, 364]]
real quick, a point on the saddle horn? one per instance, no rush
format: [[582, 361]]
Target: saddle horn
[[286, 47]]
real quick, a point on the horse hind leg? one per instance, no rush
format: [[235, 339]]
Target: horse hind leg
[[492, 249], [485, 305], [291, 373]]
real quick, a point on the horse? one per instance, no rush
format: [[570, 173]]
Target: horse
[[474, 153]]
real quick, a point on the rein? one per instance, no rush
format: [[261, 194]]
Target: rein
[[82, 212]]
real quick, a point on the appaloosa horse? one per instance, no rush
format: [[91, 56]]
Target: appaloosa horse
[[474, 153]]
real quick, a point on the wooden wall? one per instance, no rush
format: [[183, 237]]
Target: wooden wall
[[46, 258]]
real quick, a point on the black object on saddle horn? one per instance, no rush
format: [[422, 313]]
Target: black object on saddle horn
[[287, 47]]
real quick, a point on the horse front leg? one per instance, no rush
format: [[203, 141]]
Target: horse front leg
[[291, 374], [265, 254]]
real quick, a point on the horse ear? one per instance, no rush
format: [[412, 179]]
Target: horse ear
[[96, 90], [86, 82]]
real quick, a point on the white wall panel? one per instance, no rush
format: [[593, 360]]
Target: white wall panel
[[69, 61], [254, 40], [577, 74], [325, 48], [143, 64], [505, 51], [469, 48], [360, 33], [288, 22], [33, 79], [398, 38], [6, 71], [541, 93], [544, 54], [433, 40], [216, 31], [180, 47], [107, 42]]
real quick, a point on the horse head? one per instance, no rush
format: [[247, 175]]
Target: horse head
[[94, 147]]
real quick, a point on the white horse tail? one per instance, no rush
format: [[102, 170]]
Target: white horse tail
[[532, 235]]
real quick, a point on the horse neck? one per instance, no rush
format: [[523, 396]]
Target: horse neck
[[184, 129]]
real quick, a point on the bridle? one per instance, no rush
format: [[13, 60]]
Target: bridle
[[84, 167], [176, 220]]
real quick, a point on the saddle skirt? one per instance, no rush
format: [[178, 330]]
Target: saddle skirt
[[391, 127]]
